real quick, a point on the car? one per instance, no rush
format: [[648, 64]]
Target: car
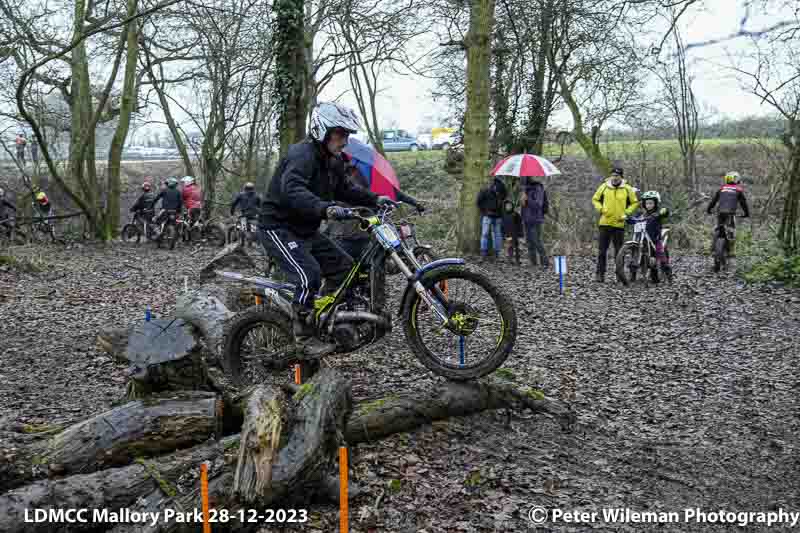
[[399, 141], [425, 141]]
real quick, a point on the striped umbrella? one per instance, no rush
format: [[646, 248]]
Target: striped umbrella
[[521, 165], [377, 170]]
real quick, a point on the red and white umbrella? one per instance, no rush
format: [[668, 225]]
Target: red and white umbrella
[[522, 165]]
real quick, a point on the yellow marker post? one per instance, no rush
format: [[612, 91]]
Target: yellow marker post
[[204, 496], [343, 525]]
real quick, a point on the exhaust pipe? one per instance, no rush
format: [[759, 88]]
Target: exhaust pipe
[[360, 316]]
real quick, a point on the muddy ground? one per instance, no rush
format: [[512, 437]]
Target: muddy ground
[[686, 395]]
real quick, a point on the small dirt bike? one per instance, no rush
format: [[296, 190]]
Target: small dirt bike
[[639, 254], [141, 224], [724, 235], [168, 228], [200, 230], [244, 231], [457, 322]]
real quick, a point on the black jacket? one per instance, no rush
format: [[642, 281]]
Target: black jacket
[[170, 199], [491, 198], [304, 185], [145, 202], [3, 204], [248, 202], [729, 196]]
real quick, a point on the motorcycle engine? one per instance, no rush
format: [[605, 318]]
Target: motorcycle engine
[[352, 335]]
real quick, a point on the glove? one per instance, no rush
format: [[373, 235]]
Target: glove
[[335, 212], [663, 211], [420, 208], [385, 200]]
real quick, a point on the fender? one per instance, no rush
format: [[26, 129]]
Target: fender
[[410, 291]]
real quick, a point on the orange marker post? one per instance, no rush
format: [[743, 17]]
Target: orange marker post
[[297, 374], [204, 496], [258, 299], [343, 525]]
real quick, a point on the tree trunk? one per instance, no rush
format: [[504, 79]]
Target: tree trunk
[[291, 71], [127, 107], [788, 232], [143, 428], [205, 309], [476, 126]]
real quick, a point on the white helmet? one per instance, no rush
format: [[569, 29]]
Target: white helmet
[[327, 115], [187, 180]]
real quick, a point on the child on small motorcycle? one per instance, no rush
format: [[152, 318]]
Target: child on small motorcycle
[[655, 217]]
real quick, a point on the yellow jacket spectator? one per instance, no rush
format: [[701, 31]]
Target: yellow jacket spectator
[[614, 200]]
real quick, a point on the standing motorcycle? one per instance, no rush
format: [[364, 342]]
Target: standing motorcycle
[[457, 322], [168, 229], [140, 224], [639, 254]]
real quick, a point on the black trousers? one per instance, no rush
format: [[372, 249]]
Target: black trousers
[[608, 234], [305, 262]]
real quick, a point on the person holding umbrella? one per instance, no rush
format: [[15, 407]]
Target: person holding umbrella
[[533, 198]]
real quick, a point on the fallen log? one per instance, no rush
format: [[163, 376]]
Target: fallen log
[[112, 490], [399, 413], [144, 428]]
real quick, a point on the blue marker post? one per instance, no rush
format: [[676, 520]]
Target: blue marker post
[[461, 350], [561, 267], [147, 314]]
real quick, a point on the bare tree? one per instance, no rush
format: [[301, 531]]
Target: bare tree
[[774, 76], [681, 104]]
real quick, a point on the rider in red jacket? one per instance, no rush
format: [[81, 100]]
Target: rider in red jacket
[[192, 198]]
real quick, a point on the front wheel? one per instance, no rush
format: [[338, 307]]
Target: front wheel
[[628, 263], [481, 328], [215, 233], [131, 234]]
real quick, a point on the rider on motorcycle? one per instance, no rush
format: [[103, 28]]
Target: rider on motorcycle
[[248, 202], [729, 197], [44, 207], [192, 198], [171, 200], [307, 182], [143, 207], [650, 202]]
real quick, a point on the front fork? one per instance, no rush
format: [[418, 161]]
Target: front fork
[[435, 303]]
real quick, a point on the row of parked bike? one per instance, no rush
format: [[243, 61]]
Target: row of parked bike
[[169, 227]]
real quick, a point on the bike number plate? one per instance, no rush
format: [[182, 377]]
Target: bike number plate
[[387, 236], [640, 227], [405, 231]]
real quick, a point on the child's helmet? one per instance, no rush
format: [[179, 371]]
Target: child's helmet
[[41, 198], [172, 182], [651, 195]]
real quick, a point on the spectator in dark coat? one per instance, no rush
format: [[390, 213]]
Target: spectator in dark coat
[[490, 202], [535, 206]]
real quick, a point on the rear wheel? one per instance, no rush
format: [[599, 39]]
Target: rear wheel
[[481, 330], [171, 235], [258, 347], [131, 234], [215, 233], [720, 254], [628, 263]]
